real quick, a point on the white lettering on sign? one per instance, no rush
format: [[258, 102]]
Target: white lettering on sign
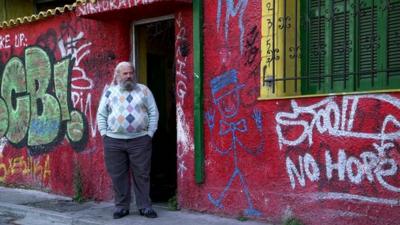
[[17, 41], [5, 41], [107, 5]]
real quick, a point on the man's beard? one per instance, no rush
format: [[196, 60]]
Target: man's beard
[[128, 85]]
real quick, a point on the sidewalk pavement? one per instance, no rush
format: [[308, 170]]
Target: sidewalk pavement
[[29, 207]]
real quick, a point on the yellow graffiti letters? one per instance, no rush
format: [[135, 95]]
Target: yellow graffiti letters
[[25, 166]]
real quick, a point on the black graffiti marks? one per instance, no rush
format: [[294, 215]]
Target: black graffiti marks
[[184, 47], [35, 103], [251, 92], [48, 40], [251, 50], [66, 40]]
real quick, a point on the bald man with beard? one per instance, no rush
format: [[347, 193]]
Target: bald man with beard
[[127, 119]]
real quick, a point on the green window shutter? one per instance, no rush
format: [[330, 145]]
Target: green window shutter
[[379, 45], [367, 42], [313, 40], [350, 45], [327, 64], [393, 47], [338, 40]]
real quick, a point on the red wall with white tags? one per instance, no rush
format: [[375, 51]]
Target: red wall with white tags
[[53, 74], [324, 160]]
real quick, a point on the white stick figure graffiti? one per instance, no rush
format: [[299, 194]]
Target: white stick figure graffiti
[[225, 91]]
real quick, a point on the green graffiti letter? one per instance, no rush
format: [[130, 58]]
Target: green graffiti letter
[[75, 127], [61, 70], [14, 83], [45, 110]]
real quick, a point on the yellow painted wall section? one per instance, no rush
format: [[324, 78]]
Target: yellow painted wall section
[[279, 38], [142, 75]]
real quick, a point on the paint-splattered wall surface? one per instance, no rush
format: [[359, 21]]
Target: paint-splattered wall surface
[[325, 160], [53, 74]]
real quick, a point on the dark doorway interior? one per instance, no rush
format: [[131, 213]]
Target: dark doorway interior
[[155, 53]]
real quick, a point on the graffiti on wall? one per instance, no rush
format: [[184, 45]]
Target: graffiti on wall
[[35, 103], [251, 48], [107, 5], [73, 42], [38, 167], [232, 10], [70, 41], [182, 46], [13, 41], [374, 166], [225, 90], [3, 143], [252, 61], [182, 52]]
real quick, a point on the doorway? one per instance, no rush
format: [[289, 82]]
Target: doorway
[[154, 59]]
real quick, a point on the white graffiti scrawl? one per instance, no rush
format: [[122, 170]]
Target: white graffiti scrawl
[[185, 140], [374, 165], [341, 126], [73, 43], [69, 46]]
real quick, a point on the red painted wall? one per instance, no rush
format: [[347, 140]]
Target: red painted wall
[[91, 49], [327, 160]]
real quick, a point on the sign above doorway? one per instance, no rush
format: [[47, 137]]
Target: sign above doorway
[[109, 6]]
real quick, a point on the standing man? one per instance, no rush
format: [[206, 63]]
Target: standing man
[[127, 119]]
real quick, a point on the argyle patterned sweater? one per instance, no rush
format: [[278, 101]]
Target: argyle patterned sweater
[[127, 114]]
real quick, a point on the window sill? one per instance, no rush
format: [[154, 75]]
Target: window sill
[[328, 94]]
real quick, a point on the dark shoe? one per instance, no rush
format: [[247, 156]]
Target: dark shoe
[[120, 213], [148, 212]]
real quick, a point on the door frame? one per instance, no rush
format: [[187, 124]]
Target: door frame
[[134, 50], [135, 38]]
